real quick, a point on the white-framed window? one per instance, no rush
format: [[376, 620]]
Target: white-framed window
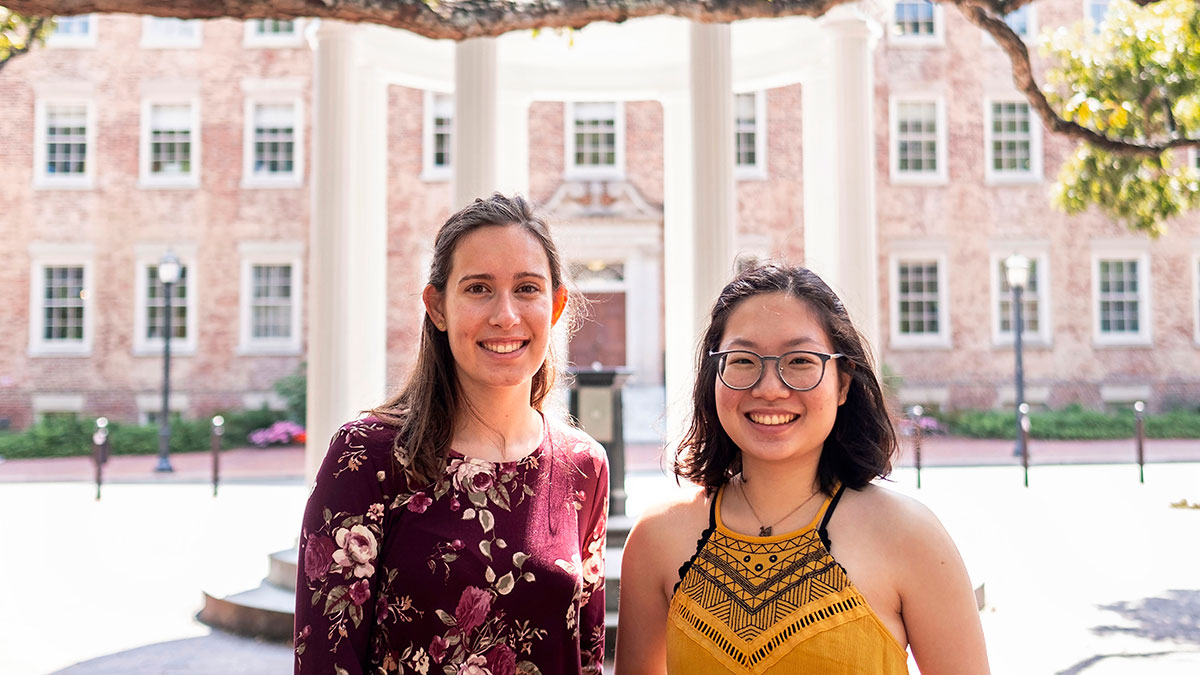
[[1094, 13], [1121, 296], [595, 140], [50, 406], [1012, 142], [273, 145], [169, 33], [917, 22], [61, 314], [270, 301], [437, 136], [149, 321], [64, 143], [1035, 299], [170, 143], [750, 135], [1193, 159], [918, 139], [73, 32], [269, 33], [150, 406], [1023, 22], [920, 315]]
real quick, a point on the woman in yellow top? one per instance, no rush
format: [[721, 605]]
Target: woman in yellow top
[[790, 560]]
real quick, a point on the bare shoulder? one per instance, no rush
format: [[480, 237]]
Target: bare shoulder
[[665, 537], [889, 515]]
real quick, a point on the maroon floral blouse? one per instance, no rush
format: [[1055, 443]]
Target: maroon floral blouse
[[497, 568]]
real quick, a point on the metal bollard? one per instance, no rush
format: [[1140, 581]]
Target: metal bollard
[[100, 451], [218, 430], [1024, 410], [1138, 409], [914, 414]]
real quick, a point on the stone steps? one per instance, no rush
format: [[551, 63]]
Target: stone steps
[[268, 611]]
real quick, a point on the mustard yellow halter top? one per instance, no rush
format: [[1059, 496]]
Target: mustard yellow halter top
[[778, 604]]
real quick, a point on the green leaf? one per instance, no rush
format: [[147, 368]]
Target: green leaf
[[505, 585], [356, 614], [327, 514], [489, 574], [338, 670], [337, 601], [485, 547], [487, 520], [446, 618], [468, 514], [477, 498], [519, 559]]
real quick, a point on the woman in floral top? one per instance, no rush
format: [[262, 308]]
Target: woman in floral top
[[457, 530]]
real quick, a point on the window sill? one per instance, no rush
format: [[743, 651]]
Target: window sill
[[919, 180], [272, 183], [750, 173], [1013, 179], [437, 175], [911, 344], [157, 350], [267, 350], [44, 350], [81, 183], [149, 183]]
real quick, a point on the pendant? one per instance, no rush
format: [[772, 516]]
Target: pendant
[[764, 531]]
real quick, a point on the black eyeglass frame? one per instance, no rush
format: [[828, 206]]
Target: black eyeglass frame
[[762, 366]]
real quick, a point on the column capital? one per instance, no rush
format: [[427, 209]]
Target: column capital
[[862, 19]]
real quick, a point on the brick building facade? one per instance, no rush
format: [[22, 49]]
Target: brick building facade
[[129, 136]]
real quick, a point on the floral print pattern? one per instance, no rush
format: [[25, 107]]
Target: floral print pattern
[[496, 568]]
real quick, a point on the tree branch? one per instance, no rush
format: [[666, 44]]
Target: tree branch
[[452, 19], [979, 13]]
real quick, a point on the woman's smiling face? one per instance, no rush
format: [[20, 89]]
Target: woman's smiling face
[[770, 421], [498, 307]]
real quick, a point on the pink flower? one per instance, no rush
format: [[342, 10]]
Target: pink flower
[[475, 665], [471, 476], [358, 550], [454, 505], [318, 551], [419, 502], [375, 512], [360, 592], [304, 632], [437, 648], [473, 608], [381, 608], [502, 661]]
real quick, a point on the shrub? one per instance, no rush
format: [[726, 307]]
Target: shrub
[[281, 433], [294, 389], [1072, 423]]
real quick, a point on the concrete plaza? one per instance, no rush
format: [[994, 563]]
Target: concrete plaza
[[1086, 571]]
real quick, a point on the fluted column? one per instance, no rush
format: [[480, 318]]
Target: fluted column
[[347, 261], [840, 238], [475, 139]]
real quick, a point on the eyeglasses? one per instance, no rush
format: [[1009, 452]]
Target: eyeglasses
[[800, 370]]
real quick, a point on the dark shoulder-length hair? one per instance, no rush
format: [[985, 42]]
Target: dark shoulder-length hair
[[862, 442], [431, 400]]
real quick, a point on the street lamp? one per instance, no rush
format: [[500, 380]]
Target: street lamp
[[168, 273], [1016, 272]]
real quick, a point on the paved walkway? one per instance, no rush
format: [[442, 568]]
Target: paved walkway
[[257, 464], [1086, 572]]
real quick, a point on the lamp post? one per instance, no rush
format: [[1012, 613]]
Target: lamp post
[[168, 273], [1016, 272]]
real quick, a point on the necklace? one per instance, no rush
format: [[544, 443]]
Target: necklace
[[765, 530]]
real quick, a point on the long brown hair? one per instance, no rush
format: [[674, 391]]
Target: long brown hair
[[431, 400], [862, 442]]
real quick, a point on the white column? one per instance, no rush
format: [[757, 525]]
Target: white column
[[475, 138], [679, 245], [714, 198], [347, 261], [840, 239]]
